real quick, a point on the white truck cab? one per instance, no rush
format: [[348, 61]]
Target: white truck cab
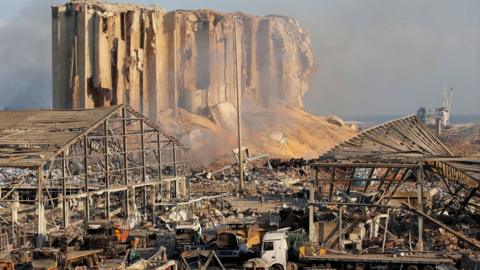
[[275, 249]]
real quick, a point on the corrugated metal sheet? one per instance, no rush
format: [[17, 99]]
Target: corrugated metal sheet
[[404, 137], [30, 138]]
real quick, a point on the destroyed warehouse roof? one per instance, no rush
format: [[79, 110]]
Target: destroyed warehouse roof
[[31, 138], [405, 137]]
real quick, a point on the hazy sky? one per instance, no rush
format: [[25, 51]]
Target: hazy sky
[[374, 56]]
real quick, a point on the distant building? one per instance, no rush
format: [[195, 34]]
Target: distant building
[[430, 115]]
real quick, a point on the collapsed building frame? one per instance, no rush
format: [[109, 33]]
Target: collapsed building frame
[[368, 170], [111, 158]]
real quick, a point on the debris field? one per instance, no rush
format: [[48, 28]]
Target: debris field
[[107, 189], [108, 180]]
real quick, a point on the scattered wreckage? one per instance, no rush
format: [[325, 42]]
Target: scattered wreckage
[[107, 189]]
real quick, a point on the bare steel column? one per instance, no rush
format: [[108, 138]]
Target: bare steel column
[[41, 226], [159, 165], [311, 213], [125, 159], [64, 191], [107, 168], [175, 174], [340, 230], [420, 205], [144, 169], [85, 171], [168, 191]]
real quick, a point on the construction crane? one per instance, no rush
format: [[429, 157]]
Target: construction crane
[[447, 104], [431, 115]]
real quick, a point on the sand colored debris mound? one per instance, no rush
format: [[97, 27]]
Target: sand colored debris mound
[[286, 132], [181, 65], [463, 139]]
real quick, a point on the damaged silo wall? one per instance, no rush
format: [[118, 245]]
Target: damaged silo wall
[[153, 60]]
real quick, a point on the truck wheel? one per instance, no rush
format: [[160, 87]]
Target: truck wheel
[[276, 267], [412, 267]]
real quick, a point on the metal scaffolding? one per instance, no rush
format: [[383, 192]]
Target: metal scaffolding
[[88, 163], [370, 169]]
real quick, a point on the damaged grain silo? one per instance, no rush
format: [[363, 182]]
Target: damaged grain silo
[[180, 65], [106, 54]]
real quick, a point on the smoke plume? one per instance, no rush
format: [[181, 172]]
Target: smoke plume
[[25, 53], [370, 50]]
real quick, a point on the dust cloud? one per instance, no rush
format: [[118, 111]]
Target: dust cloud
[[370, 50], [25, 53]]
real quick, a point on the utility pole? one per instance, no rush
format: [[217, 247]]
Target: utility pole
[[238, 76]]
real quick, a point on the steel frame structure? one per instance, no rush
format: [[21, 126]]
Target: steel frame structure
[[374, 164], [120, 161]]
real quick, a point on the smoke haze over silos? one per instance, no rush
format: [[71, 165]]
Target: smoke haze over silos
[[399, 52]]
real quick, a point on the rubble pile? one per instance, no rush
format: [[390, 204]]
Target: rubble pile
[[463, 139], [275, 197]]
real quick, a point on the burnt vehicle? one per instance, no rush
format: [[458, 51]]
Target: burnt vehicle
[[188, 235], [106, 235], [45, 258]]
